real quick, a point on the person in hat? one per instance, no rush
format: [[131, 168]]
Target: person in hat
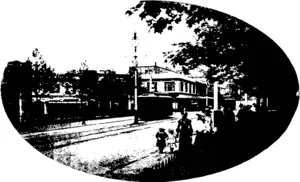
[[161, 137], [184, 133], [202, 128]]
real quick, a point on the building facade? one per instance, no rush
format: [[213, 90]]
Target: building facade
[[186, 92]]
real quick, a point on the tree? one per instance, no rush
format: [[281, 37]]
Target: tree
[[231, 49], [87, 82], [70, 80], [16, 86], [141, 90], [43, 76], [220, 39]]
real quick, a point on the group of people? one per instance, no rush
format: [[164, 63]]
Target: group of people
[[162, 136], [188, 136]]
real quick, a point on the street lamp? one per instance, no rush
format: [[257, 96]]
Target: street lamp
[[135, 44]]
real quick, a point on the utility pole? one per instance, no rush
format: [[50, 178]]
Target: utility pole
[[216, 93], [216, 102], [206, 96], [136, 120]]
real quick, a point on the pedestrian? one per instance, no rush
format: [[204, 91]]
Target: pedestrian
[[204, 130], [161, 137], [184, 133], [209, 125], [199, 127], [172, 140]]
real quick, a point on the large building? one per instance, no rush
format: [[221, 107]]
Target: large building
[[186, 92]]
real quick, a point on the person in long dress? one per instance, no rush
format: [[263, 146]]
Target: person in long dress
[[184, 133], [202, 128]]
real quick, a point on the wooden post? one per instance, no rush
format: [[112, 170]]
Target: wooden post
[[150, 84], [129, 103], [45, 108], [246, 98]]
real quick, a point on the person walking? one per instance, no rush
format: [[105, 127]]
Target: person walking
[[161, 137], [202, 128], [184, 133]]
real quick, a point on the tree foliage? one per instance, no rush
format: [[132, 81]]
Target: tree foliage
[[131, 82], [43, 76], [221, 41], [70, 80], [87, 82]]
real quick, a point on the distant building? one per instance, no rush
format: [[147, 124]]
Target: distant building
[[100, 95]]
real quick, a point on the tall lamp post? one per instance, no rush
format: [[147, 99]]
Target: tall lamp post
[[135, 44]]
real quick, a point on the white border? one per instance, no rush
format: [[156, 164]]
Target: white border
[[277, 19]]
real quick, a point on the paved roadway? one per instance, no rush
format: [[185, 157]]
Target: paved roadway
[[108, 148]]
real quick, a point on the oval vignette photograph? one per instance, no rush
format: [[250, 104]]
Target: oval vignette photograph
[[156, 91]]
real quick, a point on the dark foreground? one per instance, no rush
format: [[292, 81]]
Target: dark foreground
[[225, 150]]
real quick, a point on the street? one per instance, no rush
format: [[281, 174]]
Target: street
[[117, 150]]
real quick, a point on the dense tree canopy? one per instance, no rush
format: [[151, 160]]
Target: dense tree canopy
[[217, 35], [221, 40], [233, 51]]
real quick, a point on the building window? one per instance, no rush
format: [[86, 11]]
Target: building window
[[192, 88], [185, 87], [169, 86], [188, 87], [181, 86], [154, 87]]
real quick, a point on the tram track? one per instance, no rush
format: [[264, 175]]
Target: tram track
[[26, 135], [46, 142]]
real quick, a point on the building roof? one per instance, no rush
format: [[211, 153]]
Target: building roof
[[171, 75], [178, 96], [155, 95], [182, 96]]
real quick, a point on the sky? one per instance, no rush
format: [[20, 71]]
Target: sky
[[70, 32]]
